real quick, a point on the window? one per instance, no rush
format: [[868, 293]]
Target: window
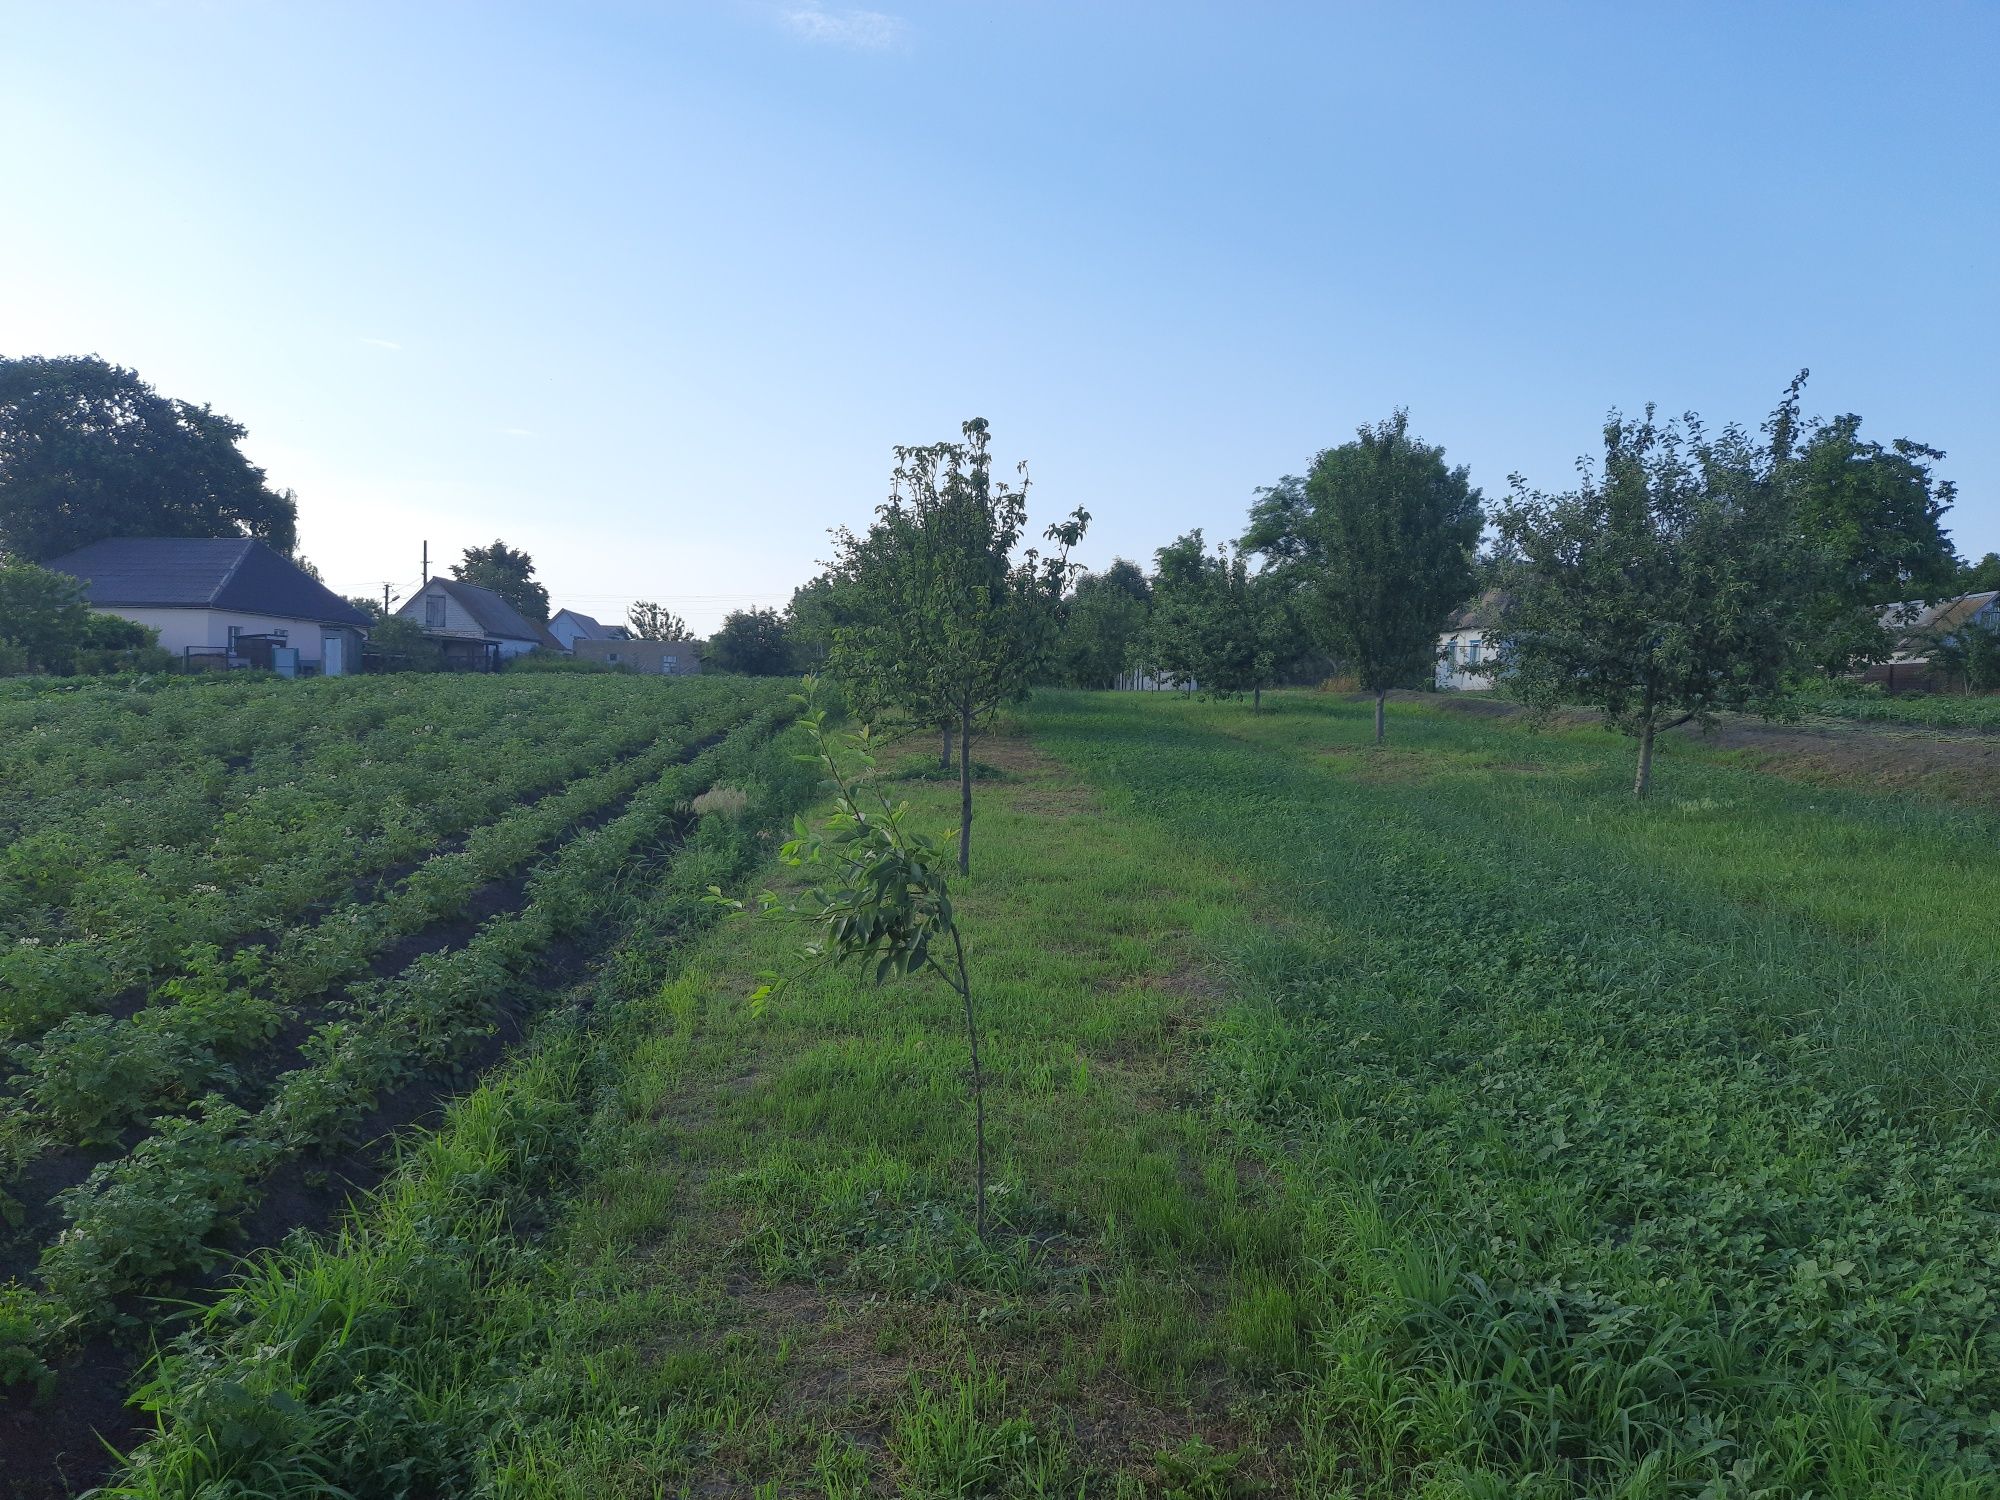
[[670, 665], [234, 631], [434, 611], [611, 656], [1472, 652]]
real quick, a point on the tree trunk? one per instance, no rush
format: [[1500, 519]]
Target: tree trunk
[[978, 1090], [965, 793], [1379, 697], [1643, 781], [944, 759], [1256, 699]]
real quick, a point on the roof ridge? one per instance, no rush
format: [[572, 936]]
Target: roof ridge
[[242, 552]]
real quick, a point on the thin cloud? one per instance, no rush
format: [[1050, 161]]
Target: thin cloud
[[381, 343], [518, 431], [856, 30]]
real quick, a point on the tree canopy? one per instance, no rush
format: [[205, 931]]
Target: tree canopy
[[88, 450], [753, 642], [1379, 543], [1669, 584], [655, 622], [1103, 623], [508, 573], [1869, 527]]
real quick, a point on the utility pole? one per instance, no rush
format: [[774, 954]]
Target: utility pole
[[385, 599], [427, 562]]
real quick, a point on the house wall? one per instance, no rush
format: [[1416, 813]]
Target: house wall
[[668, 658], [457, 620], [565, 630], [181, 629], [1455, 669]]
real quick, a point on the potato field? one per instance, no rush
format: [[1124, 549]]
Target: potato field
[[247, 928]]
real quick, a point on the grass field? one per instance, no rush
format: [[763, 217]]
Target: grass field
[[1427, 1121], [250, 926]]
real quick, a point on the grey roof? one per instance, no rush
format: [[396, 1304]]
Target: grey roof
[[490, 612], [200, 572], [590, 627]]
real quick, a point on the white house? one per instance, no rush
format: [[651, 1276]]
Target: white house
[[1467, 660], [223, 599], [470, 621], [569, 626]]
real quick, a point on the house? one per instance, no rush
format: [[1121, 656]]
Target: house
[[476, 628], [1467, 659], [668, 658], [1916, 626], [222, 601], [569, 626]]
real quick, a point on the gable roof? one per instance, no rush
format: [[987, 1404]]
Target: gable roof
[[589, 627], [202, 572], [1917, 623], [489, 612]]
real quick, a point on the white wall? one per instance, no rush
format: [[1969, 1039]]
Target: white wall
[[200, 628], [457, 621], [1455, 670]]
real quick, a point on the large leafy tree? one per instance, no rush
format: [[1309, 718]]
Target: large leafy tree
[[1672, 582], [1980, 577], [753, 642], [1869, 524], [1103, 623], [1379, 541], [510, 573], [655, 622], [941, 623], [88, 450]]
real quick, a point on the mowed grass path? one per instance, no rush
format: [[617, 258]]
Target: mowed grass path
[[1425, 1121]]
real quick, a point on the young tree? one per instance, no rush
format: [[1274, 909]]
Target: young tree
[[753, 642], [508, 573], [1669, 585], [941, 622], [1176, 642], [1103, 622], [1383, 538], [88, 450], [882, 896], [655, 622]]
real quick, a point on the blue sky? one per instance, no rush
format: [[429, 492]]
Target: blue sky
[[651, 288]]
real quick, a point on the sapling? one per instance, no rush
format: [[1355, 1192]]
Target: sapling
[[878, 893]]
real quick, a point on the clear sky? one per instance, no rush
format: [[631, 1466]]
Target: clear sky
[[651, 289]]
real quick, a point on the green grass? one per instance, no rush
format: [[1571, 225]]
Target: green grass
[[1928, 710], [1433, 1121]]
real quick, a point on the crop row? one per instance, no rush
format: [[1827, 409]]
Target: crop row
[[152, 1217], [346, 1355], [166, 920], [98, 869], [93, 1074]]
